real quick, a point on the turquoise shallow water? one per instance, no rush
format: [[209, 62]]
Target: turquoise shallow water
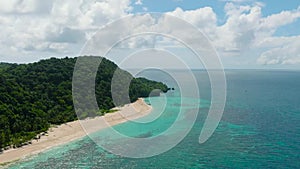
[[259, 128]]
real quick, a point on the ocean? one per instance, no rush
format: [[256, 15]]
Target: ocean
[[260, 127]]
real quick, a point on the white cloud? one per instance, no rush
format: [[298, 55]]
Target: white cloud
[[138, 2], [284, 50], [283, 18], [203, 18], [58, 27], [246, 31], [25, 6], [145, 9], [31, 27]]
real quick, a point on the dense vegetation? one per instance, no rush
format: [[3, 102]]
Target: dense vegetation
[[34, 96]]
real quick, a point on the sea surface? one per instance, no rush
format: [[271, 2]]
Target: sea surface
[[260, 127]]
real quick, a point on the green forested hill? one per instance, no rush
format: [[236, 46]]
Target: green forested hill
[[33, 96]]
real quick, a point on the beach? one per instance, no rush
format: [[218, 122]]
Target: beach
[[71, 131]]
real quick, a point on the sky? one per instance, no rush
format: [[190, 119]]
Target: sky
[[245, 34]]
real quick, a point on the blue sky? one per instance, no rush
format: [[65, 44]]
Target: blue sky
[[270, 7], [245, 33]]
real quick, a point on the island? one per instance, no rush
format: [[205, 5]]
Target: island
[[36, 98]]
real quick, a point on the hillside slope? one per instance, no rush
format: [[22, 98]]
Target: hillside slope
[[34, 96]]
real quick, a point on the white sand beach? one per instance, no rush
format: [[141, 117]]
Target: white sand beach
[[65, 133]]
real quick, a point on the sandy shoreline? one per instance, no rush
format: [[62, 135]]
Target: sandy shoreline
[[68, 132]]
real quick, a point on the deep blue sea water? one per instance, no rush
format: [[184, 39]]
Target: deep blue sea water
[[260, 128]]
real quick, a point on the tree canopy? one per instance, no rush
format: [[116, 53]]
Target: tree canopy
[[34, 96]]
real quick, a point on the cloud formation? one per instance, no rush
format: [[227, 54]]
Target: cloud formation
[[53, 28], [284, 50], [246, 30], [59, 28]]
